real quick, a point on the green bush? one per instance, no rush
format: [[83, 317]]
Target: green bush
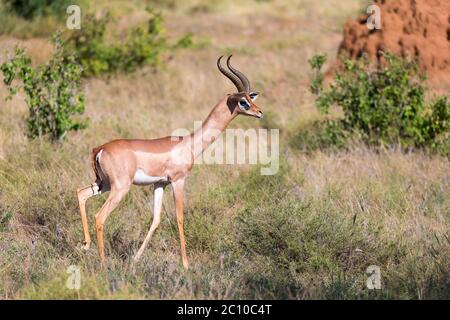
[[142, 46], [53, 92], [385, 104], [30, 9]]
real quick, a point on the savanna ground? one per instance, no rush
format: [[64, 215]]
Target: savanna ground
[[308, 232]]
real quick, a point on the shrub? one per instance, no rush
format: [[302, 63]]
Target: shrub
[[142, 46], [386, 104], [30, 9], [53, 92], [89, 46]]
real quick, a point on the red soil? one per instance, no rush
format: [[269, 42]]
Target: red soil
[[410, 28]]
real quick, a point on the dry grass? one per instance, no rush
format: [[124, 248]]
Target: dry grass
[[309, 232]]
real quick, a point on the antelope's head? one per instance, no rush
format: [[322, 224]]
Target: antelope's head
[[241, 102]]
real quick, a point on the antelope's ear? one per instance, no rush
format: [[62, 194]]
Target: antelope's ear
[[254, 95]]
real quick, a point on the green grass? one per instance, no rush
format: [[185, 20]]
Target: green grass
[[309, 232], [257, 237]]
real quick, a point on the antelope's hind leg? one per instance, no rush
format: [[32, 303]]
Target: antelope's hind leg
[[157, 206], [83, 195], [111, 203]]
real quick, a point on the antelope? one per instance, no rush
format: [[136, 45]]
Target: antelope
[[120, 163]]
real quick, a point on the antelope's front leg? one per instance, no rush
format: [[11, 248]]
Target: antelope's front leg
[[157, 206], [178, 192]]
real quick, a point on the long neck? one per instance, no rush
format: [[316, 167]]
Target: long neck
[[216, 122]]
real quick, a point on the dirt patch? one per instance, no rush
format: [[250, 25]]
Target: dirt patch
[[409, 28], [39, 49]]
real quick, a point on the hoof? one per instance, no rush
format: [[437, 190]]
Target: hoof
[[137, 257], [86, 246]]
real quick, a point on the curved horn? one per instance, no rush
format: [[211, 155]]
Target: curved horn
[[240, 75], [237, 82]]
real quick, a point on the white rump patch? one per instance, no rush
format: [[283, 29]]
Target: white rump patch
[[98, 156], [141, 178], [95, 189]]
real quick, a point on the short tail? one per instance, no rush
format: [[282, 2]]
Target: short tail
[[99, 174]]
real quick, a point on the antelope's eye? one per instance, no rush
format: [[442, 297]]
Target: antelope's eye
[[244, 104]]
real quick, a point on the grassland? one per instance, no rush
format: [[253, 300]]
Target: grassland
[[308, 232]]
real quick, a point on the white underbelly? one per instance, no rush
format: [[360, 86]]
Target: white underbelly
[[141, 178]]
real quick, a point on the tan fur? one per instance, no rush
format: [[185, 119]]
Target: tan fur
[[115, 164]]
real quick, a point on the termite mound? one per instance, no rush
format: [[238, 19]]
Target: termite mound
[[419, 29]]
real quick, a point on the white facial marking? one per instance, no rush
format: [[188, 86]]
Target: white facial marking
[[244, 105], [141, 178]]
